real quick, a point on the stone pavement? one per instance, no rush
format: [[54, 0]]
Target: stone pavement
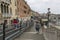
[[30, 34]]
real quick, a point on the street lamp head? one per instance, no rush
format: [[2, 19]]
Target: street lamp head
[[48, 9]]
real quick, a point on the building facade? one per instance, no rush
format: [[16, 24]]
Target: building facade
[[22, 9], [13, 9], [4, 9], [7, 9]]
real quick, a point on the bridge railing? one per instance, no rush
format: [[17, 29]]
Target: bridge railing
[[52, 33]]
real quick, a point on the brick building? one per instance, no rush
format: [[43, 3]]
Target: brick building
[[23, 9]]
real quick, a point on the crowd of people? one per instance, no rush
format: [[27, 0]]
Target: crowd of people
[[16, 23], [39, 24]]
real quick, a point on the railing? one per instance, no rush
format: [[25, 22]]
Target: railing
[[25, 25], [52, 33], [12, 32]]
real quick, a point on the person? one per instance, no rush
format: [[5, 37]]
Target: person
[[42, 24], [15, 23], [21, 24], [37, 27]]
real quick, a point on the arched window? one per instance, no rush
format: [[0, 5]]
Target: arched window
[[1, 8], [4, 9], [7, 9], [10, 10]]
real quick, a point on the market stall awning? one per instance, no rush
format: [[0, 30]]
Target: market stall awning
[[44, 19]]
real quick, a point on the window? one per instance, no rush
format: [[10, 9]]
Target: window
[[24, 11], [7, 9], [25, 3], [10, 1], [11, 10], [15, 3], [2, 8], [18, 2], [15, 11], [25, 7]]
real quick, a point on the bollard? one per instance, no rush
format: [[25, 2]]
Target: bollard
[[4, 24]]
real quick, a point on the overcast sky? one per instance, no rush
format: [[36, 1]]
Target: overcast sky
[[42, 5]]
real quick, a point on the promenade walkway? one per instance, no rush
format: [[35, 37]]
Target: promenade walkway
[[31, 34]]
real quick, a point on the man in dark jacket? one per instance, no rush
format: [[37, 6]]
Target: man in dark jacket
[[37, 27]]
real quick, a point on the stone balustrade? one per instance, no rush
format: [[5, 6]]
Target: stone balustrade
[[52, 33]]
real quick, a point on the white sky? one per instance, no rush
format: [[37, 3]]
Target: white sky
[[42, 5]]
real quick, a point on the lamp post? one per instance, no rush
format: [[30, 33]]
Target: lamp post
[[4, 25], [48, 15]]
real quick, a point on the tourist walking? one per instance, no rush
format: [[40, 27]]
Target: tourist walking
[[37, 26], [15, 23]]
